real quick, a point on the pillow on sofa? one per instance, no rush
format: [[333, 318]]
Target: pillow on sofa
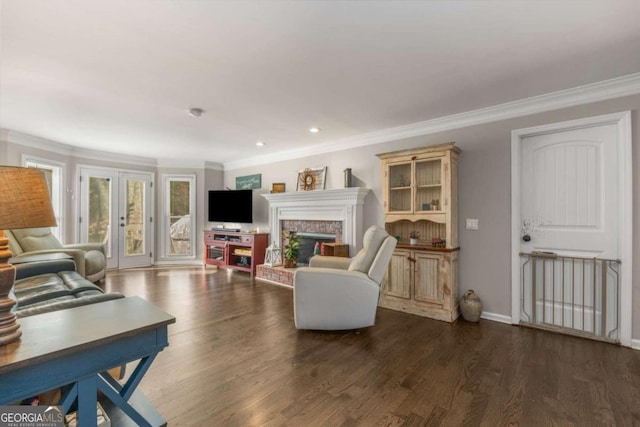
[[371, 243]]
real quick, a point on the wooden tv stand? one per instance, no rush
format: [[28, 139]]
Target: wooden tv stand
[[237, 250]]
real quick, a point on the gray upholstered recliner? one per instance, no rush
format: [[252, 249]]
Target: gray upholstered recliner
[[90, 258], [336, 293]]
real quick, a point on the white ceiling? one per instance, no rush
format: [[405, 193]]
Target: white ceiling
[[120, 75]]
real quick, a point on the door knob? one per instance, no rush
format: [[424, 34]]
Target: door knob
[[526, 238], [121, 225]]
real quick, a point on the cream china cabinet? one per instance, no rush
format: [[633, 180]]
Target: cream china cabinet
[[420, 200]]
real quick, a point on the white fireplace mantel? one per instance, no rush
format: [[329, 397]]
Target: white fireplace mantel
[[343, 204]]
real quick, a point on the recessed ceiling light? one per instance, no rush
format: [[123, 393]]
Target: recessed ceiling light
[[314, 130], [195, 112], [260, 144]]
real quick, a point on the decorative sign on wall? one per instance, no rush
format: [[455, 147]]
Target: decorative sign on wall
[[249, 182], [311, 179]]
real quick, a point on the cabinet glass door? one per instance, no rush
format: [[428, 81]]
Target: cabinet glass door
[[428, 185], [399, 181]]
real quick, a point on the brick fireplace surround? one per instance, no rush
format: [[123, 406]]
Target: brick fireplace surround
[[337, 212]]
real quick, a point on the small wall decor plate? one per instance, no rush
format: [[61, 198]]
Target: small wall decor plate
[[311, 179]]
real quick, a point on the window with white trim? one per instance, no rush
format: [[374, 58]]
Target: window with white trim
[[178, 218], [54, 174]]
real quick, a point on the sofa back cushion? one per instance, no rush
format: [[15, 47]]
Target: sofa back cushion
[[35, 239], [371, 242]]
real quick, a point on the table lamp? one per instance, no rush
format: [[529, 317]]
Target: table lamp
[[24, 203]]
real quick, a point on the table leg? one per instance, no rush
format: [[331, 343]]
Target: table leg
[[120, 395], [87, 401]]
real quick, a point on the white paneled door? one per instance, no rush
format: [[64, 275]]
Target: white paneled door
[[569, 195], [571, 210]]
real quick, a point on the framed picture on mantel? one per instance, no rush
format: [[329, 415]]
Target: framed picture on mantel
[[311, 179], [277, 187]]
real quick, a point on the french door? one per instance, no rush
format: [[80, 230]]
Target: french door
[[116, 209]]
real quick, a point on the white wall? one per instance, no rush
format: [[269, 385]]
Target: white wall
[[484, 193], [209, 176]]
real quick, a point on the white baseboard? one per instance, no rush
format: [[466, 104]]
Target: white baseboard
[[496, 317], [179, 262], [635, 344]]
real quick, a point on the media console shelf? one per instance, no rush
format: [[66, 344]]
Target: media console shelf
[[237, 250]]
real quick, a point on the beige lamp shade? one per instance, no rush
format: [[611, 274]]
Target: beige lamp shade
[[24, 199], [24, 203]]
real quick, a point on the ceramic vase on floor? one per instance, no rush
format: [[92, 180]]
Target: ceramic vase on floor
[[470, 306]]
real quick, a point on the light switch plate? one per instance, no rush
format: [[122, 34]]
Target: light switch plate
[[472, 224]]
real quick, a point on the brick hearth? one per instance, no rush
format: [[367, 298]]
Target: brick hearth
[[276, 275]]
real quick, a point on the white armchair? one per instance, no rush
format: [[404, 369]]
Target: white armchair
[[336, 293]]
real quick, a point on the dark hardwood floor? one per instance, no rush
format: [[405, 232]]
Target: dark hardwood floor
[[236, 359]]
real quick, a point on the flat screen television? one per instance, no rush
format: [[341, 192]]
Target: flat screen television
[[231, 206]]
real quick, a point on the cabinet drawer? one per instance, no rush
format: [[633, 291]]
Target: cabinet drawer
[[246, 239]]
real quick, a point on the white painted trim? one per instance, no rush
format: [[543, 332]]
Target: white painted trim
[[635, 344], [196, 262], [60, 148], [625, 219], [181, 163], [115, 174], [56, 147], [594, 92], [340, 204], [215, 166], [188, 164], [27, 140], [625, 214], [600, 91], [495, 317], [163, 216], [65, 188], [515, 226]]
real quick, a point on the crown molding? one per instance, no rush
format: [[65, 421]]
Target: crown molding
[[107, 156], [44, 144], [594, 92], [181, 163], [215, 166], [15, 137], [190, 164]]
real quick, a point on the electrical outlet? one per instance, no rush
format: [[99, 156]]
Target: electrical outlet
[[472, 224]]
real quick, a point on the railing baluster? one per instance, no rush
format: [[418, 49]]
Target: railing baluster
[[583, 293], [553, 293], [544, 291], [573, 293], [593, 285], [563, 277], [534, 284], [603, 310], [569, 273]]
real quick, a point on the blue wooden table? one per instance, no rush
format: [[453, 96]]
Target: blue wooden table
[[76, 347]]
